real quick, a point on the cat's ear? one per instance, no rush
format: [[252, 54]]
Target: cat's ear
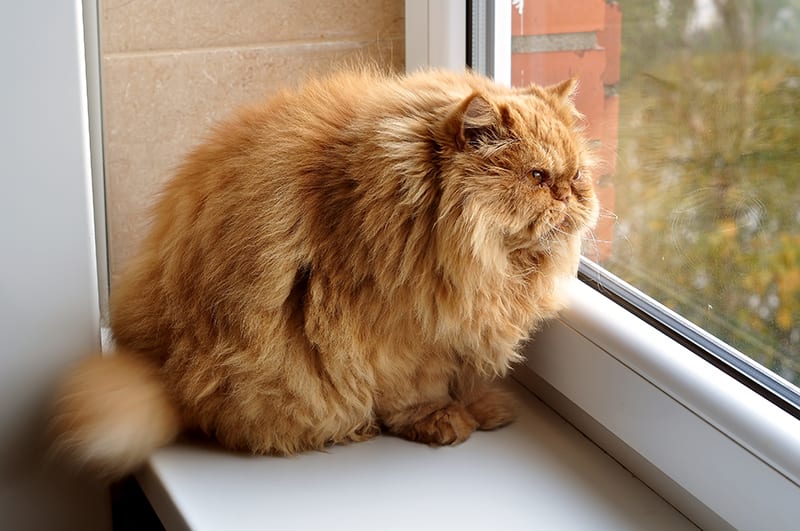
[[565, 90], [474, 118]]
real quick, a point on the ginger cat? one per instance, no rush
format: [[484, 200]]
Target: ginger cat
[[365, 253]]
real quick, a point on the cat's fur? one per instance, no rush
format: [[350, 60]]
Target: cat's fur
[[363, 254]]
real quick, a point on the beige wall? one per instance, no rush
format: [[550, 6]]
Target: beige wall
[[171, 67]]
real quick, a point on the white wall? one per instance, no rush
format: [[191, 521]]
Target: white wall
[[48, 282]]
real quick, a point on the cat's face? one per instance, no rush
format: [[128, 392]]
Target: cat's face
[[520, 168]]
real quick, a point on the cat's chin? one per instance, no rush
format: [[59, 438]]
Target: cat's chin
[[540, 239], [538, 243]]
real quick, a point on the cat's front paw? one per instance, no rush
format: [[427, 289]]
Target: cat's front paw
[[365, 432], [493, 408], [451, 424]]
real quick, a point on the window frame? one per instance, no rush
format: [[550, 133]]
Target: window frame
[[629, 380], [49, 298], [713, 447], [713, 350]]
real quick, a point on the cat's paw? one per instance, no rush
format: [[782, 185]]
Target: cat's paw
[[493, 408], [451, 424], [365, 432]]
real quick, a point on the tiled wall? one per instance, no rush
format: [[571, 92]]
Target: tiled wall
[[172, 67]]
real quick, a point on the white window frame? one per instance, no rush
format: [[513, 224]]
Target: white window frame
[[719, 452], [49, 300], [723, 455], [436, 33]]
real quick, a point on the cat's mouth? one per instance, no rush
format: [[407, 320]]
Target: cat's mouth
[[548, 228], [554, 233], [566, 227], [535, 235]]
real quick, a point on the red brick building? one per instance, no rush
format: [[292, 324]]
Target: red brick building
[[556, 39]]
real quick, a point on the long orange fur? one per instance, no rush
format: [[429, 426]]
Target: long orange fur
[[363, 254]]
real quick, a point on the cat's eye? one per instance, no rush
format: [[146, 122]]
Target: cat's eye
[[538, 176], [577, 176]]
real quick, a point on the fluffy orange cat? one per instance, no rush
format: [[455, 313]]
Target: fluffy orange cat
[[363, 254]]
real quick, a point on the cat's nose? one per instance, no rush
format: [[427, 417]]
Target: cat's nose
[[560, 191]]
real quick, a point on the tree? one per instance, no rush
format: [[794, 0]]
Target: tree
[[708, 179]]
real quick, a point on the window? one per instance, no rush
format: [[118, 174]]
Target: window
[[693, 106], [624, 367]]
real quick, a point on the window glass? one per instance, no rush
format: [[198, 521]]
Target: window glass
[[694, 107]]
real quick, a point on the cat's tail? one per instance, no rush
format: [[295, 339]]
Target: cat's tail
[[112, 412]]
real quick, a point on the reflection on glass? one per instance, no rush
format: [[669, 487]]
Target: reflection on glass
[[702, 201]]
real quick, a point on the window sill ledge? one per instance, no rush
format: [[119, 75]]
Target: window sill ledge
[[538, 470], [709, 445]]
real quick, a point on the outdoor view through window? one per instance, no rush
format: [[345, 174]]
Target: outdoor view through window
[[695, 108]]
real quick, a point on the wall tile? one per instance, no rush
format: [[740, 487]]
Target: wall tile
[[157, 105], [142, 25]]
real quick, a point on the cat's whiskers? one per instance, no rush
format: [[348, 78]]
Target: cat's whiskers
[[525, 273], [605, 213], [591, 237]]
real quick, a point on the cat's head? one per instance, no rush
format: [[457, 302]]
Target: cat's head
[[517, 167]]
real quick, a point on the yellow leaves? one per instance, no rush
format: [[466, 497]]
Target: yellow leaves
[[728, 228], [789, 282], [784, 318], [707, 194]]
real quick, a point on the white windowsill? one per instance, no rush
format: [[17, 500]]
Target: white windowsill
[[717, 451], [712, 447], [538, 473]]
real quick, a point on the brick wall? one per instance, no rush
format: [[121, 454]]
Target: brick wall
[[556, 39]]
